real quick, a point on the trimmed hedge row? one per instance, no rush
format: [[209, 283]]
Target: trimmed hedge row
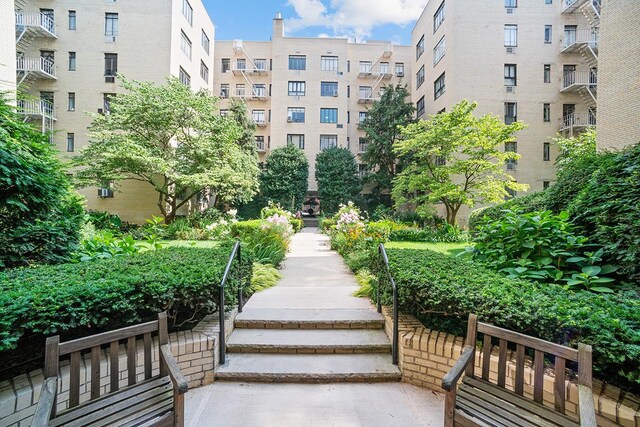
[[111, 293], [442, 290]]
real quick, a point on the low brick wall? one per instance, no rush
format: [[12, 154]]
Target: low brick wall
[[425, 356], [196, 352]]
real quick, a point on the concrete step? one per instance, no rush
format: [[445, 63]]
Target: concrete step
[[287, 318], [336, 341], [308, 368]]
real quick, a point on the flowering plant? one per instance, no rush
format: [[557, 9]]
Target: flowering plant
[[348, 218]]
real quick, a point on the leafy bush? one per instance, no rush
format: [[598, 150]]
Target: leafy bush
[[297, 224], [105, 245], [264, 276], [442, 291], [40, 215], [325, 224], [110, 293], [528, 203], [285, 178], [268, 239], [104, 220], [608, 210], [541, 246], [337, 177], [443, 234]]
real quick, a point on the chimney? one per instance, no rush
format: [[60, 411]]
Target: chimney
[[278, 26]]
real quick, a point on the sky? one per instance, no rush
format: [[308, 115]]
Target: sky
[[356, 19]]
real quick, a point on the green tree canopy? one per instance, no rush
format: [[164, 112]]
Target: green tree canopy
[[40, 214], [285, 179], [457, 159], [338, 180], [382, 126], [175, 140]]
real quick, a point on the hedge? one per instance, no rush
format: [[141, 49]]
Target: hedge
[[111, 293], [297, 224], [442, 291]]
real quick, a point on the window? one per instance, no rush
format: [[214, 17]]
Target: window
[[420, 77], [187, 11], [438, 87], [362, 144], [106, 102], [328, 141], [440, 160], [547, 73], [260, 89], [546, 151], [110, 24], [48, 21], [420, 48], [240, 89], [72, 61], [384, 68], [71, 142], [546, 112], [548, 1], [547, 34], [185, 44], [226, 65], [511, 147], [438, 51], [362, 170], [511, 193], [72, 19], [260, 64], [329, 63], [260, 143], [204, 72], [570, 35], [510, 35], [438, 18], [420, 107], [258, 116], [510, 3], [297, 140], [205, 42], [71, 101], [399, 69], [297, 62], [545, 184], [224, 90], [110, 67], [328, 88], [510, 78], [224, 113], [241, 64], [296, 88], [328, 115], [510, 112], [362, 116], [184, 78], [295, 115], [365, 92]]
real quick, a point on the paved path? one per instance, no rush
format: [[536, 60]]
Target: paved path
[[310, 328]]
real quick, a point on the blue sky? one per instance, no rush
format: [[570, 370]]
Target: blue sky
[[356, 19]]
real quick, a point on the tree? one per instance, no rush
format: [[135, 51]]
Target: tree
[[337, 176], [285, 179], [382, 127], [40, 213], [175, 140], [455, 158], [238, 111]]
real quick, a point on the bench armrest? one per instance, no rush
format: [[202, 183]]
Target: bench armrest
[[45, 403], [179, 381], [586, 408], [450, 380]]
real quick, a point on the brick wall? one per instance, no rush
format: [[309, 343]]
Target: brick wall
[[426, 355], [196, 352]]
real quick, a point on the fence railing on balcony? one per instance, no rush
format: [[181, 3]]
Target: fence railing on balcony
[[37, 19], [35, 107], [580, 37], [578, 120], [579, 78], [41, 65]]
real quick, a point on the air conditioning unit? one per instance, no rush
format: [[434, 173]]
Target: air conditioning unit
[[400, 74], [339, 73], [105, 193], [289, 119], [510, 89], [511, 50], [335, 93], [100, 111], [509, 11]]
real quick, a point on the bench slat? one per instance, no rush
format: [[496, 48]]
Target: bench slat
[[535, 408], [131, 360], [502, 363], [167, 420], [538, 376], [558, 385], [490, 414], [519, 386], [74, 380], [107, 337], [95, 372], [114, 354], [147, 356], [486, 357], [127, 393], [137, 411], [152, 418]]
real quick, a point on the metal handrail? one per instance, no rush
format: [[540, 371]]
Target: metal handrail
[[235, 253], [394, 341]]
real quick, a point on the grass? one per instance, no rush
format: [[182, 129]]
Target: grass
[[189, 243], [443, 248]]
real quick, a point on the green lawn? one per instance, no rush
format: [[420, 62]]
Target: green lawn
[[444, 248], [189, 243]]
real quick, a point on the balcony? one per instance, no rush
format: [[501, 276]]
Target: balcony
[[36, 108], [258, 70], [260, 122], [574, 42], [569, 6], [366, 96], [575, 81], [41, 68], [33, 24], [574, 122]]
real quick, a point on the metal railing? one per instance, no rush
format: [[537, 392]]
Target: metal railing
[[578, 120], [41, 64], [235, 253], [36, 20], [589, 37], [35, 107], [579, 78], [394, 340]]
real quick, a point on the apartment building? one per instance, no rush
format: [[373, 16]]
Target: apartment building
[[7, 51], [68, 54], [534, 62], [308, 92]]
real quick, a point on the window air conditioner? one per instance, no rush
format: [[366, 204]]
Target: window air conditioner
[[511, 50], [400, 74], [100, 111], [509, 11], [335, 93], [105, 193], [510, 89], [289, 119]]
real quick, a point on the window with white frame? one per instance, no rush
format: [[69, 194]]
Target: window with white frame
[[184, 77], [258, 116], [72, 20], [259, 89], [241, 64], [225, 65], [205, 41], [72, 61], [328, 88], [420, 77], [420, 48], [260, 64], [362, 116], [297, 62], [204, 72], [110, 67], [365, 66], [260, 143], [297, 140], [548, 34], [384, 68], [510, 112], [399, 69], [296, 88], [438, 18], [510, 77], [328, 115], [71, 101], [187, 11], [295, 114], [328, 141], [185, 44], [329, 63], [438, 87], [240, 89], [224, 90], [510, 3], [110, 24], [365, 92], [510, 35], [71, 142], [438, 51]]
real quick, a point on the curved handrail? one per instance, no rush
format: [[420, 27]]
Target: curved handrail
[[235, 253], [394, 343]]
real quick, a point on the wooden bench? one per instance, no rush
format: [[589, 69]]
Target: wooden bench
[[154, 401], [480, 402]]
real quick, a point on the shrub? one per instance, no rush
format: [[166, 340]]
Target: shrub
[[297, 224], [325, 224], [337, 177], [264, 276], [105, 245], [443, 234], [285, 178], [528, 203], [268, 239], [104, 220], [442, 291], [111, 293]]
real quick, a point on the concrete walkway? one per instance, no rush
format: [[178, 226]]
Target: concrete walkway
[[310, 329]]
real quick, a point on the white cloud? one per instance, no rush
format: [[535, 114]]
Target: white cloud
[[354, 18]]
